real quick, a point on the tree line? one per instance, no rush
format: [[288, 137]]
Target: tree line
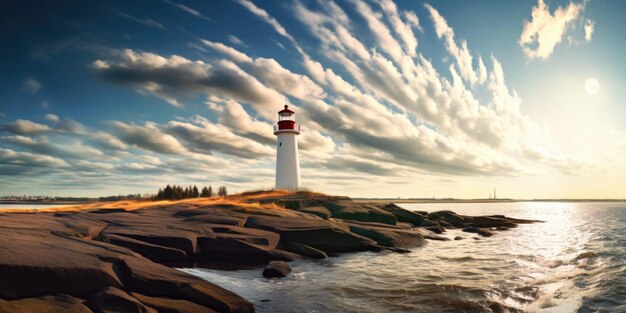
[[177, 192]]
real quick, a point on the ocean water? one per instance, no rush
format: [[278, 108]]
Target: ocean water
[[573, 262], [30, 206]]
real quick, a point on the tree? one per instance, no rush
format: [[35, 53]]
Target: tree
[[195, 193], [160, 195], [168, 193], [210, 192], [222, 191], [205, 192]]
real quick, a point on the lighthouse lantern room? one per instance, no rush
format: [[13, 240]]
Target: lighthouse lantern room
[[287, 160]]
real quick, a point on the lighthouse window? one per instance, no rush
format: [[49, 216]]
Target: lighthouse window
[[280, 144]]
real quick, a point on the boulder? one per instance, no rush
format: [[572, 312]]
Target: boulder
[[166, 305], [486, 221], [112, 300], [429, 223], [157, 234], [59, 303], [381, 216], [485, 232], [403, 215], [276, 269], [458, 238], [435, 229]]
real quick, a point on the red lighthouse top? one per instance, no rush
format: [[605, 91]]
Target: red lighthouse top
[[286, 110], [286, 122]]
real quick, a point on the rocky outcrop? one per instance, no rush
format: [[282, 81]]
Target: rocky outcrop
[[118, 260]]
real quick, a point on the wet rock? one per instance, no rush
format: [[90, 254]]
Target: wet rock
[[436, 237], [435, 229], [429, 223], [305, 250], [459, 238], [485, 232], [112, 300], [403, 215], [276, 269]]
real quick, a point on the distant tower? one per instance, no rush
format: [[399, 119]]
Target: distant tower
[[287, 160], [494, 193]]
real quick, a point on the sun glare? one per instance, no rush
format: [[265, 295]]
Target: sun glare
[[592, 86]]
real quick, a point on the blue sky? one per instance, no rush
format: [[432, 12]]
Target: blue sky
[[411, 99]]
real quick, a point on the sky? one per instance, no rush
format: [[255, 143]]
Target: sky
[[396, 99]]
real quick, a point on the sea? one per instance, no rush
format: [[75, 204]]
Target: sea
[[574, 261], [30, 206]]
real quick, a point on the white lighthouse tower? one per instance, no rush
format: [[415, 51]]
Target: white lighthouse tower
[[287, 160]]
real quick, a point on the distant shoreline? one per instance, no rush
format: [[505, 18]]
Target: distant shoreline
[[46, 202], [386, 200]]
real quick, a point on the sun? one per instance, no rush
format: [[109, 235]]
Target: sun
[[592, 86]]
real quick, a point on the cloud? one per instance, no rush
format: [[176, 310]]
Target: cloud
[[144, 21], [31, 85], [461, 54], [52, 118], [236, 40], [73, 149], [263, 15], [546, 30], [187, 9], [24, 127], [177, 78], [207, 137], [149, 137], [589, 29], [26, 159]]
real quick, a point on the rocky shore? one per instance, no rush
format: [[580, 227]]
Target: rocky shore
[[121, 259]]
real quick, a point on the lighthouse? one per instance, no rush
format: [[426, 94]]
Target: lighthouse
[[287, 160]]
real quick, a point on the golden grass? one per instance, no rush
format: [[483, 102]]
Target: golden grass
[[244, 201]]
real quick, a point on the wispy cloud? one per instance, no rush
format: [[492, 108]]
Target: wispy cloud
[[236, 40], [144, 21], [31, 85], [546, 30], [187, 9]]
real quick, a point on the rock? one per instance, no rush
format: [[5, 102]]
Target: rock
[[403, 215], [112, 300], [155, 280], [156, 253], [501, 228], [47, 304], [381, 216], [355, 214], [276, 269], [436, 237], [106, 210], [486, 221], [447, 216], [318, 211], [429, 223], [327, 236], [435, 229], [458, 238], [35, 263], [305, 250], [160, 235], [485, 232], [165, 305], [390, 237]]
